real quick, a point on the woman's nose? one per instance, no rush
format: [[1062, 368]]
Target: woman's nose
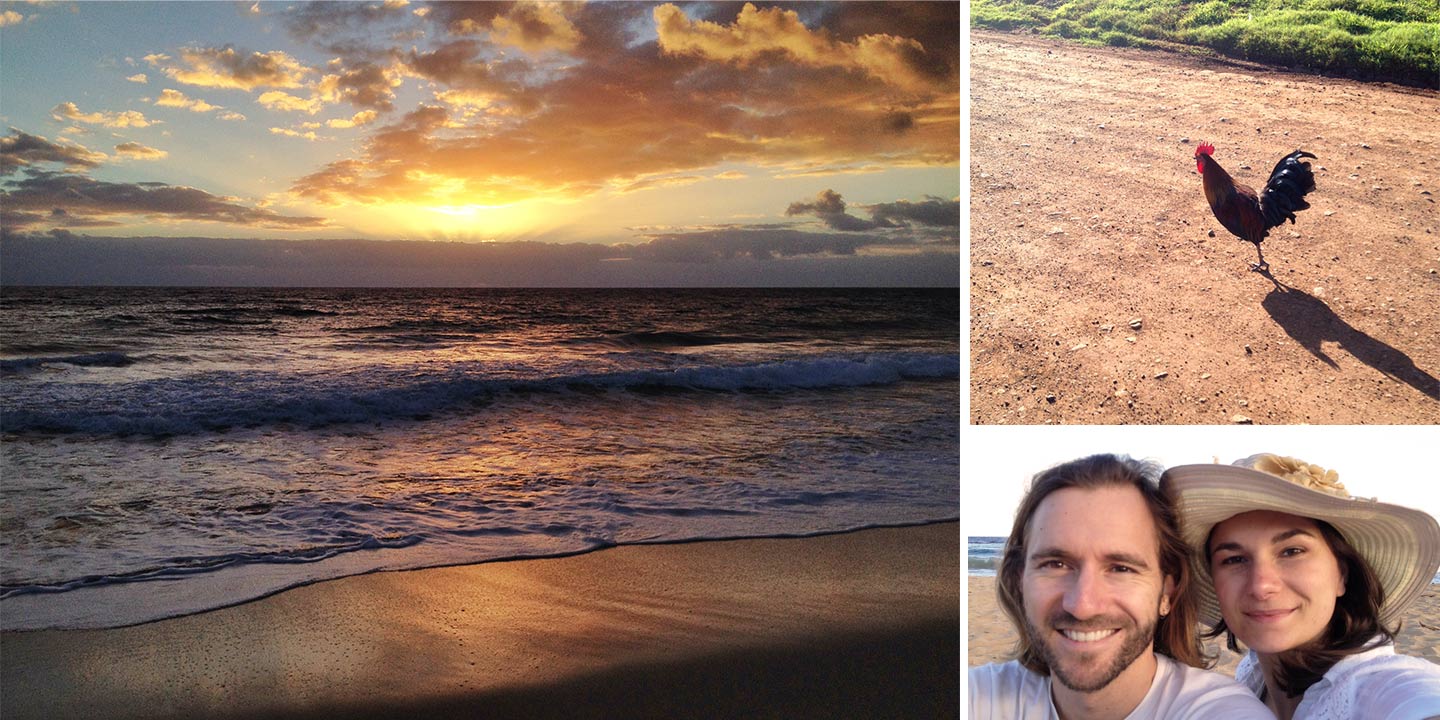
[[1264, 579]]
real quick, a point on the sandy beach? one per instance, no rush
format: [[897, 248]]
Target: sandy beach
[[862, 624], [991, 636]]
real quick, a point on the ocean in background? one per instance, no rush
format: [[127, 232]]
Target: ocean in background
[[982, 556], [168, 451]]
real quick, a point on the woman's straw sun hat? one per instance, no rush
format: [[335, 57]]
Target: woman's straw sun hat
[[1401, 545]]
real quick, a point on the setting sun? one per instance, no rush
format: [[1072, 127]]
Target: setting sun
[[722, 143]]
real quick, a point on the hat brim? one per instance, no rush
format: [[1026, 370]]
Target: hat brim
[[1402, 545]]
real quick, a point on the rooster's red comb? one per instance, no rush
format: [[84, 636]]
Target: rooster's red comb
[[1204, 149]]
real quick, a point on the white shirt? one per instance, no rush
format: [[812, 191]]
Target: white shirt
[[1008, 691], [1373, 685]]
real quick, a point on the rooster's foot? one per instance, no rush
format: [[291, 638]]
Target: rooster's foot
[[1260, 267]]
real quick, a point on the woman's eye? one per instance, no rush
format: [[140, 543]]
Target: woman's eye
[[1231, 560], [1292, 551]]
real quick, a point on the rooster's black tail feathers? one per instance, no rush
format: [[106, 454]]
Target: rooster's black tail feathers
[[1284, 194]]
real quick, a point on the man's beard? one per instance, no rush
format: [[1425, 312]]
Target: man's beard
[[1072, 676]]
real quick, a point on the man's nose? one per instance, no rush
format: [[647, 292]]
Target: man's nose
[[1087, 594]]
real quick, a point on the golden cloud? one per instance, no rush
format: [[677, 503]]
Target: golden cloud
[[758, 33], [124, 119], [233, 69], [364, 117], [285, 102], [620, 115], [536, 27], [139, 152], [307, 135], [177, 99]]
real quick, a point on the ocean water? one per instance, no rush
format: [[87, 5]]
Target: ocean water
[[982, 555], [167, 451]]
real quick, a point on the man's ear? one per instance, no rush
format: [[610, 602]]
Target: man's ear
[[1166, 593]]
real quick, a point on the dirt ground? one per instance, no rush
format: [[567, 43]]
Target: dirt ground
[[1098, 293]]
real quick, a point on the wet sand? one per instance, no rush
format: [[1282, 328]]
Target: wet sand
[[862, 624]]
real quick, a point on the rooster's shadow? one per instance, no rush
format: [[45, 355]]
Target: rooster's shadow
[[1309, 321]]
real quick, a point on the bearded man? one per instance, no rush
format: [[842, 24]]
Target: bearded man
[[1096, 580]]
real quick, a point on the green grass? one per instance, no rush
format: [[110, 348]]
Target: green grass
[[1395, 40]]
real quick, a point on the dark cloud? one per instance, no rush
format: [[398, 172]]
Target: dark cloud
[[21, 149], [932, 212], [756, 243], [324, 20], [830, 208], [69, 200], [364, 85], [229, 67], [716, 258]]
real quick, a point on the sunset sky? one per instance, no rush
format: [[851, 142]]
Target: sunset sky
[[524, 143]]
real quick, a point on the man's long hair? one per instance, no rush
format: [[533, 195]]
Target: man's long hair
[[1175, 634]]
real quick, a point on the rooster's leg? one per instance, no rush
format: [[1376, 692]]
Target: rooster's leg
[[1261, 266]]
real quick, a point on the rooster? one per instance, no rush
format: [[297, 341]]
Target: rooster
[[1250, 216]]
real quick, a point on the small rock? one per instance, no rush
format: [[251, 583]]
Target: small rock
[[1371, 278], [1224, 119], [1243, 403], [1211, 233], [1081, 346], [1204, 376], [1328, 213], [1135, 323], [1050, 398], [1248, 351], [1106, 328], [1365, 145], [1122, 393], [1102, 126], [1242, 420], [1185, 140], [1130, 339], [1161, 375], [1056, 231]]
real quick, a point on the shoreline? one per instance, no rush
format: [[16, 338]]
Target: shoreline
[[862, 621], [139, 589], [991, 636]]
